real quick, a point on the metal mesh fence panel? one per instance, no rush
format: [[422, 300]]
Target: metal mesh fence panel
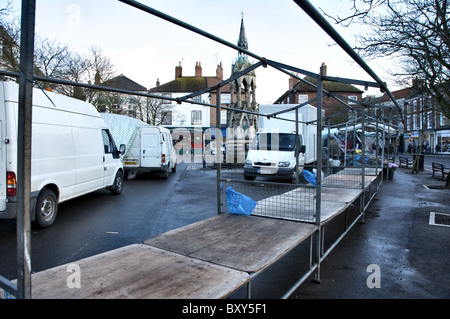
[[349, 177], [276, 200], [297, 202]]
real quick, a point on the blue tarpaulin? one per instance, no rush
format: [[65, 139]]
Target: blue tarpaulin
[[238, 203], [310, 177]]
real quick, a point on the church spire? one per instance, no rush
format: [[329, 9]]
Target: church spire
[[242, 43]]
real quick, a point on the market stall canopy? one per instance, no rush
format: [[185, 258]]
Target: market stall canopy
[[370, 125]]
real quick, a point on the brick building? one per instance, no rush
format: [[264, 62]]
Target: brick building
[[194, 118], [125, 104], [300, 92], [200, 120], [424, 121]]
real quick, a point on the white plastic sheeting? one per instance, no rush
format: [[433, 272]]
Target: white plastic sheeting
[[123, 128]]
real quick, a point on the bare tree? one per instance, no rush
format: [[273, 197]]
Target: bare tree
[[99, 70], [10, 49], [53, 59], [100, 67], [5, 10], [360, 11], [108, 102], [413, 32], [50, 59], [140, 107], [157, 111], [75, 70]]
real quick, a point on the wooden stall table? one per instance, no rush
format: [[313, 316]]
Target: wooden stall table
[[244, 243], [343, 195], [139, 272], [358, 171], [347, 181]]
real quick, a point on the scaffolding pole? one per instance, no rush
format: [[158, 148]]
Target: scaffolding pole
[[24, 150], [219, 142], [318, 178]]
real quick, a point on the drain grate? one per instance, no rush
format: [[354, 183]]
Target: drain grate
[[439, 219]]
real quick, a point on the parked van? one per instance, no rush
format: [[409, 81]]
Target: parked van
[[149, 148], [273, 149], [73, 153]]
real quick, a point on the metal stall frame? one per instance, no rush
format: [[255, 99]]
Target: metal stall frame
[[23, 287], [23, 220]]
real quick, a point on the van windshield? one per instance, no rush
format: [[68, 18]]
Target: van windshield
[[274, 142]]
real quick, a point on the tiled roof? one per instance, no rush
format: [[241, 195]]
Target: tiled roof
[[326, 85], [189, 84], [122, 82], [400, 94]]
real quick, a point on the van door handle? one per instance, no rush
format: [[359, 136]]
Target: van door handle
[[143, 152], [105, 168]]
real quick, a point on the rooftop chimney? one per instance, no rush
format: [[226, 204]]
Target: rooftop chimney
[[293, 81], [219, 71], [157, 82], [323, 69], [178, 71], [417, 83], [198, 70]]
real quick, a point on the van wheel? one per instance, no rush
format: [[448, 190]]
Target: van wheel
[[117, 187], [165, 174], [46, 208], [293, 178], [249, 177], [174, 169]]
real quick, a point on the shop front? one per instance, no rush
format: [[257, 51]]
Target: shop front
[[443, 141]]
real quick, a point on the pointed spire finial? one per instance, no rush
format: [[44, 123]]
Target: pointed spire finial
[[242, 43]]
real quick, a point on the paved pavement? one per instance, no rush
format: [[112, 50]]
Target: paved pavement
[[411, 257]]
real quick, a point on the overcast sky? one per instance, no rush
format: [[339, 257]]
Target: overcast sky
[[146, 48]]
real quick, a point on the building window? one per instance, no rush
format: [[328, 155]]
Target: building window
[[430, 119], [302, 98], [223, 117], [225, 98], [196, 117], [419, 121], [166, 118], [155, 101], [197, 99], [352, 98]]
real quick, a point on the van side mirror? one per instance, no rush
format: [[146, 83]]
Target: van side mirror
[[302, 149], [122, 149]]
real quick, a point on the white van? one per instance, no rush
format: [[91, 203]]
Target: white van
[[273, 149], [73, 153], [149, 148]]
